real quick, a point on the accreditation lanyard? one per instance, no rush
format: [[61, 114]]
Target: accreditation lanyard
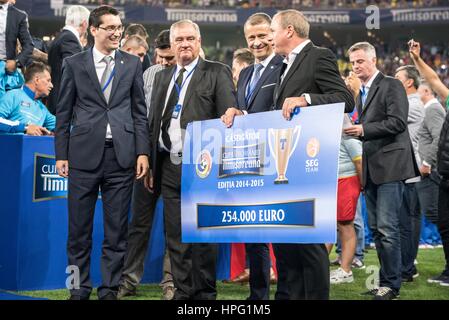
[[178, 89], [109, 80]]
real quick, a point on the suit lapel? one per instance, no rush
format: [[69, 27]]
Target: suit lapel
[[195, 82], [299, 58], [89, 66], [119, 68], [372, 91], [166, 76], [269, 69], [8, 20], [242, 92]]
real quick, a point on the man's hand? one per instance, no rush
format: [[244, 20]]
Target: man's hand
[[355, 130], [414, 49], [228, 117], [62, 166], [35, 130], [425, 170], [148, 181], [142, 166], [290, 104], [353, 83], [11, 66]]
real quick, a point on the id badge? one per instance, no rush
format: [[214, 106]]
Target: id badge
[[176, 111]]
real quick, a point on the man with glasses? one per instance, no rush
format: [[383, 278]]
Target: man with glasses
[[101, 143]]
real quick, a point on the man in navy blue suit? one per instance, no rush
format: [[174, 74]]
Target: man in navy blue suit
[[255, 89], [102, 142]]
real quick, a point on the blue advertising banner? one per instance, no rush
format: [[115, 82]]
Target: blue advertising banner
[[263, 180]]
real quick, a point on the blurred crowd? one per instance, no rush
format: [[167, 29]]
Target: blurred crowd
[[297, 4]]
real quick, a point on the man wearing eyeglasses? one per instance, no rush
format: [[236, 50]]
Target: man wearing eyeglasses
[[192, 90], [101, 143]]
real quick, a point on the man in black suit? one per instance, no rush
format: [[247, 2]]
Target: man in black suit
[[255, 89], [193, 90], [388, 160], [310, 77], [102, 142], [13, 27], [66, 44]]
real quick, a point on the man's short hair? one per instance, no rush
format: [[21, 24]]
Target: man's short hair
[[96, 14], [162, 40], [411, 73], [75, 16], [365, 46], [244, 55], [136, 29], [257, 19], [35, 68], [135, 42], [296, 19], [424, 82], [181, 23]]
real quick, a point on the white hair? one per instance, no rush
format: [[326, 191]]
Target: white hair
[[365, 46], [177, 24], [76, 15]]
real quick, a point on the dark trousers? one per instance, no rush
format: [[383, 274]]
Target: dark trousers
[[193, 265], [307, 270], [443, 219], [259, 270], [116, 187], [142, 209], [409, 213], [384, 203]]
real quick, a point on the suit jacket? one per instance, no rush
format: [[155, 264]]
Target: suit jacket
[[262, 98], [387, 149], [209, 94], [82, 112], [17, 28], [315, 72], [65, 45], [429, 133]]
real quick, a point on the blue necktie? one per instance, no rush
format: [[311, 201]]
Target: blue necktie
[[364, 95], [256, 76]]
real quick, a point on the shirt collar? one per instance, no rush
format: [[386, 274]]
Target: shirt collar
[[432, 101], [292, 55], [5, 6], [98, 56], [30, 93], [267, 60], [74, 31], [371, 80], [188, 67]]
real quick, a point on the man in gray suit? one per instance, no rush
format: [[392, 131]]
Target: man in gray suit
[[101, 143], [410, 211]]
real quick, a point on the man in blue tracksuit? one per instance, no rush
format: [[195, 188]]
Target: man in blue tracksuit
[[22, 111]]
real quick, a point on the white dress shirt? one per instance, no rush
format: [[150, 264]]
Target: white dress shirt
[[174, 130], [370, 82], [100, 67], [3, 21], [292, 56]]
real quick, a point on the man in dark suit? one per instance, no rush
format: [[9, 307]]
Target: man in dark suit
[[193, 90], [102, 142], [66, 44], [13, 27], [255, 89], [310, 77], [388, 160]]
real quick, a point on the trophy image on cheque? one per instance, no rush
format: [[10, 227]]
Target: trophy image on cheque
[[285, 141]]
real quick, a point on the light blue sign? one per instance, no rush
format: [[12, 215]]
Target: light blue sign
[[263, 180]]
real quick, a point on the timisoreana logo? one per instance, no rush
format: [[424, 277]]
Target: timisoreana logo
[[48, 184], [203, 164]]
